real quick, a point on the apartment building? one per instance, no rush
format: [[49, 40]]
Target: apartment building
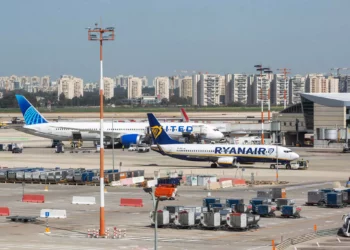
[[70, 86], [162, 85], [135, 85], [296, 87], [108, 87]]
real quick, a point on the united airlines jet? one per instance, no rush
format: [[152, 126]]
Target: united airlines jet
[[218, 154], [127, 133]]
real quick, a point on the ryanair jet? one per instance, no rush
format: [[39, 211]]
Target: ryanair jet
[[218, 154]]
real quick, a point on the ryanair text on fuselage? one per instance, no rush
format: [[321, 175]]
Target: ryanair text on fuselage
[[244, 150]]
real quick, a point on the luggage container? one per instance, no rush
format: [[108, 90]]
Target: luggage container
[[44, 176], [2, 147], [172, 211], [284, 202], [265, 210], [210, 220], [242, 208], [36, 176], [162, 218], [186, 219], [264, 194], [258, 201], [278, 193], [20, 175], [139, 173], [290, 211], [242, 221], [191, 180], [232, 202], [315, 197], [87, 176], [28, 176], [213, 207], [9, 147], [3, 175], [327, 190], [208, 201], [334, 199]]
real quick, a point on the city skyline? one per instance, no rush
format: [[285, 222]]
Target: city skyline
[[159, 38]]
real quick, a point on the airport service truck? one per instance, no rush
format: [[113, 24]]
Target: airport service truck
[[300, 165]]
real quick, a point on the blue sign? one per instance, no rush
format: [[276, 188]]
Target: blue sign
[[179, 128], [47, 214]]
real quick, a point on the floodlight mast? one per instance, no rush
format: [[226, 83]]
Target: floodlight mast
[[99, 34]]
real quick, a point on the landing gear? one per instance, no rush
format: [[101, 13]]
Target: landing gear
[[288, 166], [214, 165], [272, 166]]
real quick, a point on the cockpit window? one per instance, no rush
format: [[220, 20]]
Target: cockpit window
[[215, 129], [288, 151]]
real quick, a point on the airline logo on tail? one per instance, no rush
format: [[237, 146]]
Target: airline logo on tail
[[30, 114], [156, 131]]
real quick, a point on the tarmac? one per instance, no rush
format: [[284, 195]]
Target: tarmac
[[71, 233]]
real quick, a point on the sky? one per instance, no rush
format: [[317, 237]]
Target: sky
[[157, 37]]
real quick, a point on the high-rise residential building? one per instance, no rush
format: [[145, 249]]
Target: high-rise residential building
[[23, 80], [144, 82], [344, 84], [316, 83], [70, 86], [195, 82], [236, 88], [279, 87], [162, 87], [45, 83], [35, 80], [90, 87], [208, 90], [333, 84], [108, 85], [122, 81], [134, 87], [185, 87], [260, 89], [296, 87]]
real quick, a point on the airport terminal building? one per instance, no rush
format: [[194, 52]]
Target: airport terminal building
[[325, 115]]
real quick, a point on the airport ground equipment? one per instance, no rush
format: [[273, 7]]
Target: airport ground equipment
[[24, 219], [242, 221], [242, 208], [278, 193], [315, 197], [300, 164], [258, 201], [334, 200], [185, 219], [214, 220], [284, 202], [207, 201], [213, 207], [162, 218], [172, 211], [346, 226], [59, 148], [233, 202], [264, 194], [290, 211], [265, 210]]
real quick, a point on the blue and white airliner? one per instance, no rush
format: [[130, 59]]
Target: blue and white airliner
[[126, 133], [218, 154]]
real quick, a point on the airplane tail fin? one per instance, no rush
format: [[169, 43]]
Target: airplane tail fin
[[159, 135], [184, 115], [30, 114]]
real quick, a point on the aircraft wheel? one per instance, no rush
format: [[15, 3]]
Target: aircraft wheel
[[288, 166], [213, 165], [272, 166]]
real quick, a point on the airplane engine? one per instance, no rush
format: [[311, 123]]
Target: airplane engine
[[227, 161], [126, 140]]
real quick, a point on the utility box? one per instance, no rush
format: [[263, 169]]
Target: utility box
[[284, 202], [315, 197], [162, 218], [264, 194], [210, 220]]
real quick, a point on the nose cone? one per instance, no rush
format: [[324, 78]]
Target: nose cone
[[295, 156]]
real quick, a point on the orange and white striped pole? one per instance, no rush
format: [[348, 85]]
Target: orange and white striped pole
[[99, 34]]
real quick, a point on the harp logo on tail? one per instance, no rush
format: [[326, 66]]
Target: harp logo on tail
[[156, 131]]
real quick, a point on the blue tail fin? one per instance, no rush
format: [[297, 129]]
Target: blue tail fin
[[159, 135], [30, 114]]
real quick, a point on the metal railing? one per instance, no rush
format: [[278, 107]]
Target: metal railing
[[306, 237]]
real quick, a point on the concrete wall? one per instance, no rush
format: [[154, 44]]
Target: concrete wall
[[329, 117]]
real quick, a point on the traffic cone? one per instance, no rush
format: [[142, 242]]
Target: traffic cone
[[46, 188], [47, 230], [105, 190]]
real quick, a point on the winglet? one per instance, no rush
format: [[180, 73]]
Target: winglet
[[30, 114], [159, 135]]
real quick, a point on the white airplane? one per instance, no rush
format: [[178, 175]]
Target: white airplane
[[218, 154], [127, 132]]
